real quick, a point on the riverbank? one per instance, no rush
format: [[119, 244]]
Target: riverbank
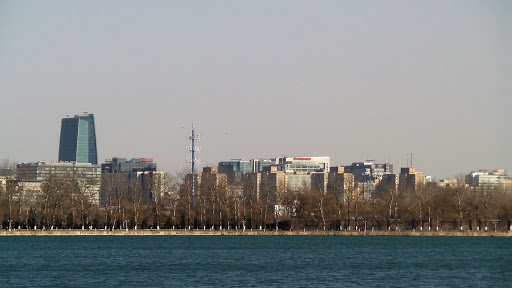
[[199, 232]]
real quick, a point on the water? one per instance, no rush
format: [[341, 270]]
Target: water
[[255, 261]]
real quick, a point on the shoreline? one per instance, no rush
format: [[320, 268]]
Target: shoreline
[[199, 232]]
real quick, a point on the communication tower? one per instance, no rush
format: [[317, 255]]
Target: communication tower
[[193, 149]]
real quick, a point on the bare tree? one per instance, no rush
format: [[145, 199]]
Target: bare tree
[[349, 197], [430, 193], [459, 195], [306, 209], [320, 197]]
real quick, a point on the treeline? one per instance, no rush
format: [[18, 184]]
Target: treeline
[[65, 203]]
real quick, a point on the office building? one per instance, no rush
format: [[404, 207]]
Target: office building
[[258, 165], [488, 179], [86, 175], [369, 171], [298, 182], [134, 175], [118, 165], [78, 139], [235, 169], [268, 183], [368, 174], [446, 183], [303, 165]]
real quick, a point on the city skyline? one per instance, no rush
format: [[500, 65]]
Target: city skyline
[[350, 80], [275, 157]]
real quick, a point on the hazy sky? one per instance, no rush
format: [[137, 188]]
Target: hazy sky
[[353, 80]]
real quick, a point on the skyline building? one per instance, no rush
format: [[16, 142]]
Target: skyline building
[[86, 175], [119, 165], [78, 139], [235, 169], [303, 165], [137, 174], [487, 179]]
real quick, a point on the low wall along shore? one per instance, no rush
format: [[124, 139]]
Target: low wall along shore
[[199, 232]]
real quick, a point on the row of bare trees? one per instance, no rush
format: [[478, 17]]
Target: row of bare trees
[[64, 202]]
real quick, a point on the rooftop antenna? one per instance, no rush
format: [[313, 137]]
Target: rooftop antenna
[[192, 149], [411, 160]]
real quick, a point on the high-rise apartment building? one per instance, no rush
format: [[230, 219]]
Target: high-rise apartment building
[[410, 179], [78, 139]]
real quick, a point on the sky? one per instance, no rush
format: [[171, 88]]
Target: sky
[[353, 80]]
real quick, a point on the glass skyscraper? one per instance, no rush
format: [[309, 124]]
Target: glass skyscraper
[[78, 139]]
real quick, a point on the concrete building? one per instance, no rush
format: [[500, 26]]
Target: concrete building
[[336, 182], [258, 165], [340, 182], [319, 181], [3, 183], [4, 172], [235, 169], [78, 139], [206, 182], [390, 183], [368, 174], [40, 171], [505, 185], [488, 179], [87, 175], [369, 171], [303, 165], [298, 171], [197, 180], [273, 182], [298, 182], [293, 173], [410, 179], [118, 165], [136, 174], [251, 186], [448, 183], [268, 183], [211, 181]]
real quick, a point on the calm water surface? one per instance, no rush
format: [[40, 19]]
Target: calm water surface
[[255, 261]]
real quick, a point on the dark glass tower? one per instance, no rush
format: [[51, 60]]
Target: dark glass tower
[[78, 139]]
